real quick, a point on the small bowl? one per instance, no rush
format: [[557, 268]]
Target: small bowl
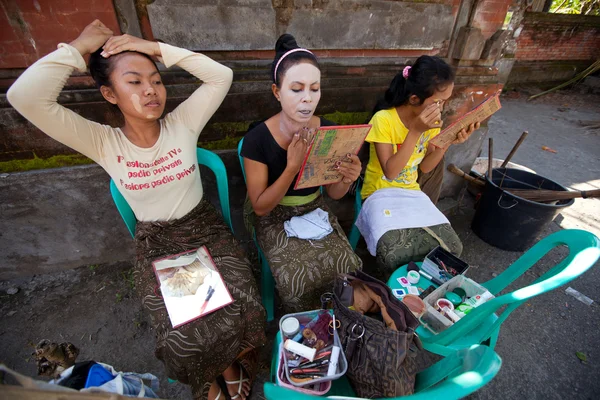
[[454, 298], [441, 303], [461, 293]]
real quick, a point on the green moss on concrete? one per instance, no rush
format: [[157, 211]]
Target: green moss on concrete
[[44, 163], [229, 142], [230, 128], [348, 118], [232, 133]]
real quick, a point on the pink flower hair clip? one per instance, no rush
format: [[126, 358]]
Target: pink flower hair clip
[[406, 71]]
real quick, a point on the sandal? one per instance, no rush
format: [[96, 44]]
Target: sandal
[[221, 395], [240, 382]]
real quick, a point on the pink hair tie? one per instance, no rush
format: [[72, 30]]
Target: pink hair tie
[[284, 56], [406, 71]]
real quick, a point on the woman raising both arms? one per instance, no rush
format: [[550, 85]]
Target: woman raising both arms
[[173, 215]]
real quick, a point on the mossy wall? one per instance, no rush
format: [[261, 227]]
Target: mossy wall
[[232, 133]]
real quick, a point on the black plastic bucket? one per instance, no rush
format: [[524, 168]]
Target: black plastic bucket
[[510, 222]]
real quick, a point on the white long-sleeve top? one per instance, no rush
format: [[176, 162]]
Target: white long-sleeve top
[[159, 183]]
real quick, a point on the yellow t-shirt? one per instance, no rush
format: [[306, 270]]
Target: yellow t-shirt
[[388, 128]]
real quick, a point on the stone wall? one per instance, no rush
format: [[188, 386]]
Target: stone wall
[[342, 24]]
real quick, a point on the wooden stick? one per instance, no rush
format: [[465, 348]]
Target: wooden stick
[[459, 172], [552, 195], [490, 159], [539, 195], [514, 149]]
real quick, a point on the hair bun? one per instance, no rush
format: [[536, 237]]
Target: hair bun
[[286, 42]]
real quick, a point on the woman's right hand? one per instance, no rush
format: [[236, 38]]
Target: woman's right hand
[[430, 118], [296, 151], [92, 38]]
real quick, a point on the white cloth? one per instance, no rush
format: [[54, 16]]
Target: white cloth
[[313, 225], [394, 208]]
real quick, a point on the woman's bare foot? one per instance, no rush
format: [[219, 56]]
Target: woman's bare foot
[[238, 384], [215, 393]]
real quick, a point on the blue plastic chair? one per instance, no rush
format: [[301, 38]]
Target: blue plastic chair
[[454, 377], [267, 283], [206, 158], [482, 325]]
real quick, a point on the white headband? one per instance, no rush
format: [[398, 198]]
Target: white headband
[[284, 56]]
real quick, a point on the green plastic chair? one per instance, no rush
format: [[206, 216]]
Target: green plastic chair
[[456, 376], [482, 325], [206, 158], [354, 232], [267, 283]]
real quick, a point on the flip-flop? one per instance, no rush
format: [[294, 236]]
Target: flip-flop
[[240, 383]]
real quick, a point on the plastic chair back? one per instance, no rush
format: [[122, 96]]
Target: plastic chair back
[[584, 251], [267, 283], [206, 158], [123, 208], [354, 232], [454, 377]]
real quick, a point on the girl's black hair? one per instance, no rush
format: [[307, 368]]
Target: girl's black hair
[[285, 43], [427, 75], [101, 68]]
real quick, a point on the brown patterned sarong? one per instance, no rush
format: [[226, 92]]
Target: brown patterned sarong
[[303, 269], [399, 246], [199, 351]]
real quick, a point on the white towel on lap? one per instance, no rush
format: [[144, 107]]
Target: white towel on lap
[[312, 225], [394, 208]]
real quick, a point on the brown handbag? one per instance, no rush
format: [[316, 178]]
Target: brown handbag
[[380, 354]]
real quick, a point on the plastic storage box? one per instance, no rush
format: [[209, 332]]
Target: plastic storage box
[[431, 266], [432, 319], [304, 318], [317, 388]]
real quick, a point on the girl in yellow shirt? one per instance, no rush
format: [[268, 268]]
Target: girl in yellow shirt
[[404, 121]]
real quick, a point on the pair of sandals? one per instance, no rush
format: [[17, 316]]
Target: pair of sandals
[[239, 382]]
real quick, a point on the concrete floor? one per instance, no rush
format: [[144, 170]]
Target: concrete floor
[[539, 341], [94, 307]]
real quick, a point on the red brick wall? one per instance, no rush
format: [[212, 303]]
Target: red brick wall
[[490, 15], [30, 29], [558, 37]]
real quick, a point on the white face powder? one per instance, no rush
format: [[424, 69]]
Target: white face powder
[[135, 100]]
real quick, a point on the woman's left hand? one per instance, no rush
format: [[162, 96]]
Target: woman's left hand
[[463, 135], [350, 169], [119, 44]]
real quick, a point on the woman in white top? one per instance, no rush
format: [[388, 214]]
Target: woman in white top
[[153, 163]]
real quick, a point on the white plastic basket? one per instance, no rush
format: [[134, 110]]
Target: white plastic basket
[[432, 319]]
